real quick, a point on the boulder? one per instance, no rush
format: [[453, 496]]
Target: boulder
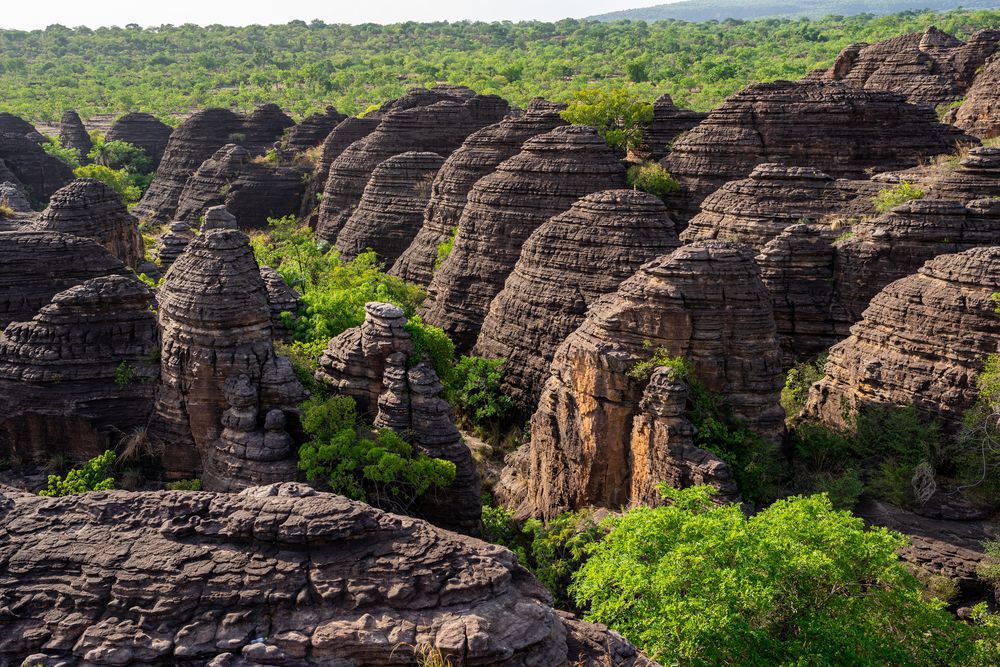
[[391, 209], [979, 114], [478, 156], [277, 574], [921, 342], [550, 173], [78, 377], [281, 299], [12, 196], [669, 122], [704, 302], [312, 130], [90, 209], [144, 131], [72, 134], [565, 266]]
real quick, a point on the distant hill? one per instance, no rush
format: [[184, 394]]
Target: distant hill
[[720, 10]]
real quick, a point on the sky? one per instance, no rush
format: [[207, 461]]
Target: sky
[[33, 14]]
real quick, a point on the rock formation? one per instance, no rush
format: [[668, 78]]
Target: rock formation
[[930, 68], [975, 175], [391, 209], [252, 190], [979, 114], [479, 156], [921, 342], [669, 122], [704, 302], [281, 299], [90, 209], [12, 196], [439, 127], [274, 575], [828, 126], [551, 172], [35, 266], [144, 131], [11, 124], [78, 376], [263, 127], [37, 172], [312, 130], [72, 134], [215, 323], [565, 265], [172, 243], [343, 135]]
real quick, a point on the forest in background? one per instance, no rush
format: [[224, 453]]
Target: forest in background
[[305, 66]]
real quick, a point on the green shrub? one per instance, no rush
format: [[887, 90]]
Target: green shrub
[[70, 156], [444, 249], [559, 548], [118, 180], [896, 195], [475, 391], [95, 475], [798, 583], [617, 115], [184, 485], [6, 211], [118, 155], [432, 342], [798, 380], [125, 374], [382, 469], [652, 178], [677, 367]]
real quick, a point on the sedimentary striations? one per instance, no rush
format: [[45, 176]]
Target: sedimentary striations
[[565, 265], [669, 122], [930, 68], [250, 189], [980, 112], [391, 209], [72, 134], [26, 164], [551, 172], [439, 127], [35, 266], [215, 322], [144, 131], [263, 127], [312, 130], [12, 196], [921, 342], [828, 126], [343, 135], [281, 299], [478, 156], [78, 377], [173, 242], [704, 302], [276, 574], [974, 175], [90, 209], [11, 124]]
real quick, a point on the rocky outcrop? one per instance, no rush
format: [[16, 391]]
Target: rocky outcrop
[[391, 209], [78, 377], [72, 134], [921, 342], [974, 175], [669, 122], [276, 574], [252, 190], [11, 124], [312, 130], [704, 302], [439, 127], [930, 68], [12, 196], [173, 242], [565, 266], [479, 156], [35, 266], [144, 131], [828, 126], [758, 208], [979, 114], [193, 142], [343, 135], [90, 209], [551, 172], [281, 299], [215, 322], [263, 127], [36, 171]]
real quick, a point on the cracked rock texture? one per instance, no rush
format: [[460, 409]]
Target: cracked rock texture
[[281, 299], [173, 242], [565, 266], [979, 114], [343, 135], [27, 165], [144, 131], [669, 122], [550, 173], [704, 302], [12, 196]]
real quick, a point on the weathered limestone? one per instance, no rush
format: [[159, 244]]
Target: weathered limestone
[[669, 122], [979, 114]]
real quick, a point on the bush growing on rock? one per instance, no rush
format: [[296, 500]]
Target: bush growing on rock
[[652, 178], [475, 391], [94, 475], [118, 180], [896, 195], [617, 115], [70, 156]]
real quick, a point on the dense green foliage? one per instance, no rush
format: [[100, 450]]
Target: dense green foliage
[[799, 583], [652, 178], [444, 249], [976, 453], [184, 485], [379, 467], [70, 156], [303, 67], [118, 180], [475, 393], [94, 475], [798, 379], [896, 195], [617, 115]]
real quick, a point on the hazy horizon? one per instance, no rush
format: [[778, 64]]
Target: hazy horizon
[[38, 15]]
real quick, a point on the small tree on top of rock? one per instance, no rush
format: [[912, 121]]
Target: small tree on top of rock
[[617, 116]]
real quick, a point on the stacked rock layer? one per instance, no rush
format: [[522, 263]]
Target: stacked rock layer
[[72, 134], [144, 131]]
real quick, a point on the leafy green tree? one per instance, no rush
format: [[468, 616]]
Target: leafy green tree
[[116, 179], [70, 156], [652, 178], [617, 115], [476, 392], [94, 475]]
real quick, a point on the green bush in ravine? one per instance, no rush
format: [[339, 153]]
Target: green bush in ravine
[[652, 178], [70, 156], [798, 380], [474, 391], [379, 467], [798, 583], [444, 249], [94, 475]]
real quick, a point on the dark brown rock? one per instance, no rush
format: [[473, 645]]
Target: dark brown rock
[[263, 127], [479, 156], [144, 131], [551, 172], [78, 377], [391, 209], [12, 196], [669, 122], [565, 266], [921, 342], [979, 114], [704, 302], [11, 124], [90, 209], [275, 575], [975, 175], [172, 243], [282, 299], [36, 171], [343, 135], [312, 130], [72, 134]]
